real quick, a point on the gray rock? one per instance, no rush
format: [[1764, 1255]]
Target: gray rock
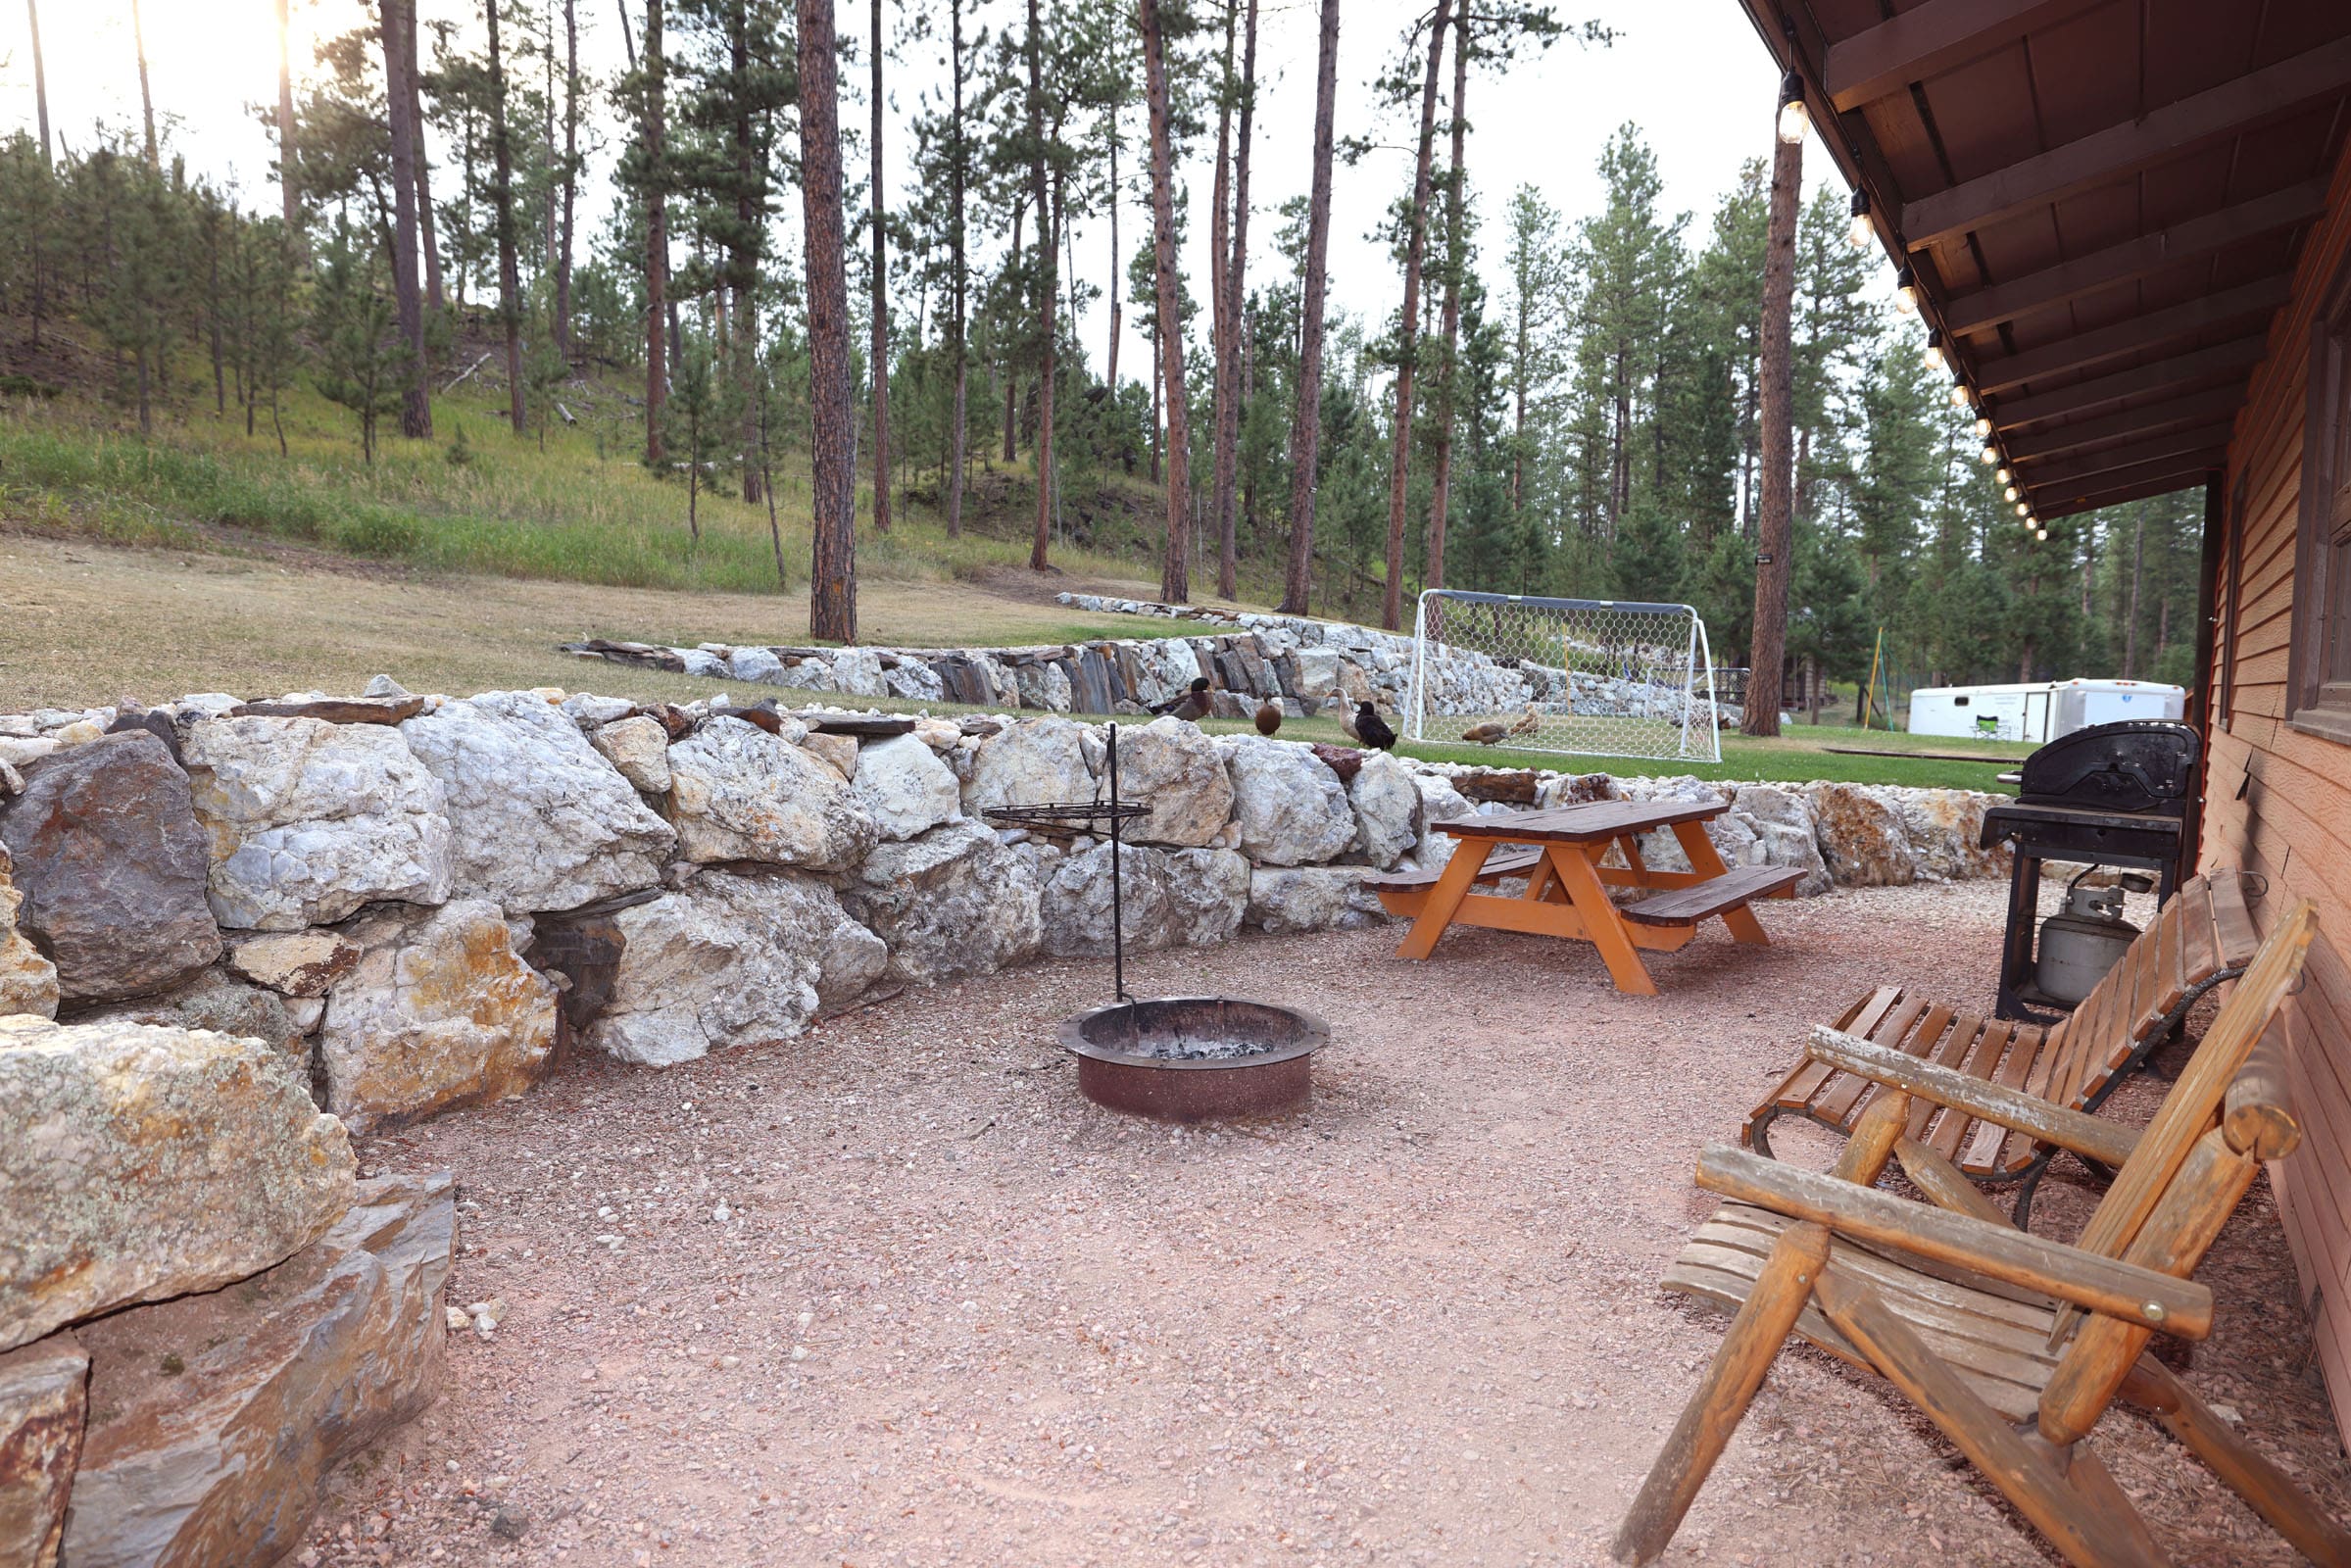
[[539, 820], [218, 1455], [731, 960], [1181, 772], [159, 1160], [737, 793], [111, 865], [754, 664], [1291, 808], [224, 1006], [915, 679], [1076, 905], [42, 1408], [310, 820], [639, 748], [951, 903], [1386, 802], [1310, 898], [1946, 829], [1029, 763], [1208, 892], [440, 1010], [857, 672], [590, 711], [904, 786]]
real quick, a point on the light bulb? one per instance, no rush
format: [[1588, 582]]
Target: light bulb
[[1983, 426], [1906, 291], [1959, 398], [1861, 231], [2009, 493], [2001, 476], [1794, 117], [2040, 533], [1990, 454], [1933, 354], [2024, 509]]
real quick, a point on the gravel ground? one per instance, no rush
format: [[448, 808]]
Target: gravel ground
[[894, 1294]]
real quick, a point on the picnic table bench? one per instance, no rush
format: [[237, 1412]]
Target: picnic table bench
[[1560, 854]]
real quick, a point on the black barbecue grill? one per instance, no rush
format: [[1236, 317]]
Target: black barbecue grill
[[2114, 795]]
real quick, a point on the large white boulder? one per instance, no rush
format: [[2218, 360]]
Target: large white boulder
[[1290, 807], [1946, 830], [143, 1162], [440, 1010], [1178, 769], [1310, 898], [904, 786], [539, 820], [737, 793], [1029, 763], [1783, 834], [954, 902], [731, 960], [638, 747], [1862, 839], [1387, 804], [1208, 895], [1076, 904]]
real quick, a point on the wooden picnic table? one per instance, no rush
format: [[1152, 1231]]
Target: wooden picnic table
[[1566, 893]]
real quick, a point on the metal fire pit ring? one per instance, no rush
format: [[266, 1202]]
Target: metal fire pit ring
[[1263, 1083]]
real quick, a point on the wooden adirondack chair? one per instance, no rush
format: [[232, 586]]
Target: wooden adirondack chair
[[1981, 1325], [2202, 936]]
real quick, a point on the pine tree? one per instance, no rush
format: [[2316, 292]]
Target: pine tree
[[359, 355]]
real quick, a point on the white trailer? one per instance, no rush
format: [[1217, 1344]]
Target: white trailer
[[2038, 710]]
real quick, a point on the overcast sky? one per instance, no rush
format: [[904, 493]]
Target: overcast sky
[[1692, 74]]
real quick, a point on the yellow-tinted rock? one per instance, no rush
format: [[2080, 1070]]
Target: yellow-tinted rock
[[28, 981], [155, 1161], [41, 1408]]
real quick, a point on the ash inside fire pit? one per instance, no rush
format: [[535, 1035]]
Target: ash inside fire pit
[[1186, 1058]]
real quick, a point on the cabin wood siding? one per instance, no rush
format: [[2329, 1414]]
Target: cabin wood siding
[[2277, 801]]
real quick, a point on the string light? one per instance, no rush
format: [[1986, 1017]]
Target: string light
[[2024, 509], [2010, 494], [1959, 394], [1861, 231], [2001, 476], [1984, 425], [2040, 533], [1992, 454], [1906, 291], [1934, 356], [1794, 117]]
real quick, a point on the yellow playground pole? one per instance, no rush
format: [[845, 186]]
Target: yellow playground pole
[[1869, 697]]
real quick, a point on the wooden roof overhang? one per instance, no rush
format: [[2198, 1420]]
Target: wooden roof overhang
[[2101, 202]]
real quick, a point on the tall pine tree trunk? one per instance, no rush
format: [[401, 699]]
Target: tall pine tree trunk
[[288, 185], [563, 254], [502, 196], [1116, 291], [1400, 472], [427, 241], [1456, 260], [1222, 376], [1228, 406], [40, 74], [657, 235], [1306, 423], [832, 433], [743, 258], [1049, 290], [1175, 579], [881, 302], [960, 430], [138, 39], [1776, 526], [398, 19]]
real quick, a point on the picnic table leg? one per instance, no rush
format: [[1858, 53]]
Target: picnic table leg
[[1460, 875], [1707, 861], [1601, 923]]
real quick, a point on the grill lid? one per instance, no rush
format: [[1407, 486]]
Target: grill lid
[[2137, 765]]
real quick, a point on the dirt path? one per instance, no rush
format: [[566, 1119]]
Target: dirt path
[[893, 1293]]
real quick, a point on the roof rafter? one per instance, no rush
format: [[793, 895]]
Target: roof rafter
[[2091, 501], [2209, 441], [2124, 149], [2184, 241], [2244, 352], [2196, 407], [2129, 335], [1928, 39]]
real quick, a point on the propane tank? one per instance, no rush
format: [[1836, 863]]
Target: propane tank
[[2083, 941]]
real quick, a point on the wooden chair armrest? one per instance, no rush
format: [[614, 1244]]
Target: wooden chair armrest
[[1946, 1185], [2107, 1286], [2092, 1136]]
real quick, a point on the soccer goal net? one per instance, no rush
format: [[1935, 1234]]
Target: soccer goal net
[[1590, 677]]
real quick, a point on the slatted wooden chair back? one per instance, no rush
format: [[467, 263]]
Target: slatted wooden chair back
[[2197, 931], [2150, 1178]]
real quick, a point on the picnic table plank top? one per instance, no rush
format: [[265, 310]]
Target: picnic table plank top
[[1582, 824]]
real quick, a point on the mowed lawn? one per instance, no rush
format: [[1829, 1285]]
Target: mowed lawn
[[85, 622]]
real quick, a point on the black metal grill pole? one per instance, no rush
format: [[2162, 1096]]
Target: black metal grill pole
[[1118, 949]]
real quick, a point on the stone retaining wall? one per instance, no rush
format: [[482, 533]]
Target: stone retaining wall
[[1301, 664], [270, 925]]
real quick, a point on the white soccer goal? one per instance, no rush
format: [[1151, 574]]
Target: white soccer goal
[[1590, 677]]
